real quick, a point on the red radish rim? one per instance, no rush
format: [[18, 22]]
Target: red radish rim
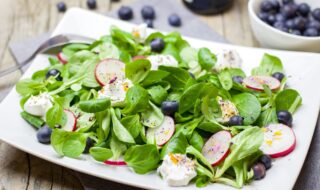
[[102, 83], [115, 162], [225, 154], [62, 58], [138, 57], [170, 134], [288, 150], [261, 88], [75, 119]]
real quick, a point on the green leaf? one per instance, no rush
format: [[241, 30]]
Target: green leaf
[[70, 144], [90, 79], [289, 100], [267, 117], [196, 141], [142, 158], [248, 106], [193, 151], [55, 116], [119, 130], [206, 59], [29, 86], [154, 77], [177, 144], [137, 100], [117, 147], [100, 154], [138, 70], [177, 78], [211, 127], [104, 120], [93, 106], [225, 79], [133, 125], [108, 50], [35, 121], [158, 94], [153, 117], [170, 49], [269, 65]]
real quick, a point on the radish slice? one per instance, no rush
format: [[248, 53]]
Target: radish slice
[[62, 58], [137, 57], [108, 70], [163, 133], [71, 124], [279, 140], [257, 82], [118, 162], [216, 148]]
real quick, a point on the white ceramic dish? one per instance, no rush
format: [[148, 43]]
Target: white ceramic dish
[[273, 38], [302, 68]]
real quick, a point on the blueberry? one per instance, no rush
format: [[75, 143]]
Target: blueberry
[[280, 26], [296, 32], [157, 45], [266, 6], [89, 144], [271, 19], [289, 10], [125, 13], [316, 14], [263, 16], [147, 12], [92, 4], [289, 24], [259, 171], [287, 1], [313, 24], [235, 120], [311, 32], [174, 20], [303, 9], [55, 73], [275, 5], [44, 134], [280, 17], [62, 7], [284, 117], [237, 79], [299, 23], [169, 107], [266, 161], [149, 23]]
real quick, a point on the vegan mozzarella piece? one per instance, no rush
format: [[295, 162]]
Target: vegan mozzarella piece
[[116, 90], [228, 59], [165, 60], [38, 105], [228, 110], [140, 32], [177, 169]]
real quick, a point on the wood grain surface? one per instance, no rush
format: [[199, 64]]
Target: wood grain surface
[[20, 19]]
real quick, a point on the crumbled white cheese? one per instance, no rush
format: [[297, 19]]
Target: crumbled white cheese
[[38, 105], [140, 32], [166, 60], [228, 110], [116, 90], [228, 59], [177, 169]]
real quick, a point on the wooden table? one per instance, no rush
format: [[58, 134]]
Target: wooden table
[[20, 19]]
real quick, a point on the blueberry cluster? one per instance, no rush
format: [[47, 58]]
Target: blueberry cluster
[[62, 7], [290, 17], [148, 14]]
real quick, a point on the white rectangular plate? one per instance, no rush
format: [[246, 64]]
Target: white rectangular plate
[[302, 68]]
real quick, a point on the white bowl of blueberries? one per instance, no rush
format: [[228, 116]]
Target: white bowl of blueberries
[[286, 24]]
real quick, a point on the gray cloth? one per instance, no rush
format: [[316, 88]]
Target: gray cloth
[[309, 177]]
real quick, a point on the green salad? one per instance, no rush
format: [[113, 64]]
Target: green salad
[[154, 103]]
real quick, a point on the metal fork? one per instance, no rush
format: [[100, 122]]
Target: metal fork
[[54, 42]]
